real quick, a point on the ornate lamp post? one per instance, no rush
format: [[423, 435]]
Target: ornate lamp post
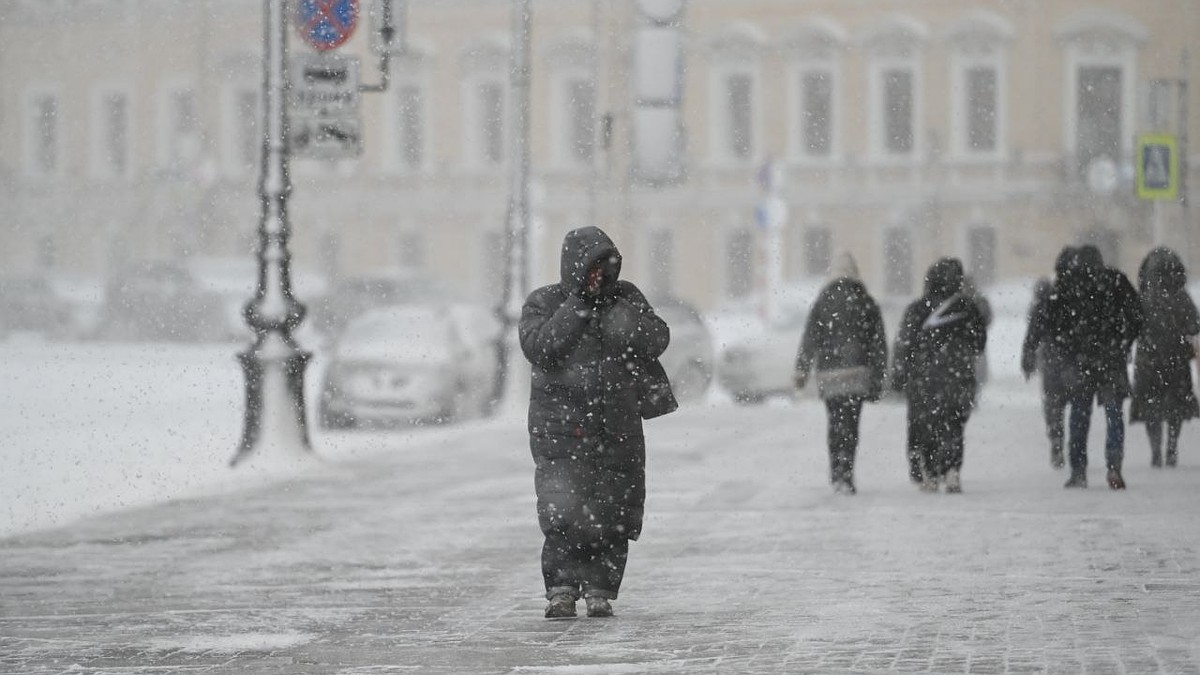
[[274, 364]]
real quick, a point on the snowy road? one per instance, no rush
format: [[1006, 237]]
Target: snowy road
[[418, 551]]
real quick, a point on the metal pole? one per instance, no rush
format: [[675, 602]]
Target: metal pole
[[274, 364], [516, 274], [1184, 203]]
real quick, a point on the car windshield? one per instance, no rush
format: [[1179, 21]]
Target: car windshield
[[414, 327]]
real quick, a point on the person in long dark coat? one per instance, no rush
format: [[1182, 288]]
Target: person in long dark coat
[[1039, 353], [1162, 376], [592, 339], [1093, 320], [941, 336], [844, 340]]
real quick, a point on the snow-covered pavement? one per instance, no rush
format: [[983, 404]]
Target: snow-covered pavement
[[418, 551]]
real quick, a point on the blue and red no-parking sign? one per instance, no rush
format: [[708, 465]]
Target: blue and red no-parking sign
[[326, 24]]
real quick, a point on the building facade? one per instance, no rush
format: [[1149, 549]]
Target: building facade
[[996, 130]]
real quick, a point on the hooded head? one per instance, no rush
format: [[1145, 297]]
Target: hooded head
[[1068, 259], [944, 279], [843, 267], [1090, 258], [584, 247], [1162, 272]]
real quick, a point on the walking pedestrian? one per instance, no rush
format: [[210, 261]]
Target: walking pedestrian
[[1162, 376], [1093, 319], [844, 345], [1040, 353], [941, 337], [593, 341], [1123, 323]]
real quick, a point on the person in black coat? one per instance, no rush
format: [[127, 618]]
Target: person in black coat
[[1094, 318], [1039, 353], [1122, 322], [941, 336], [593, 341], [1162, 376], [844, 338]]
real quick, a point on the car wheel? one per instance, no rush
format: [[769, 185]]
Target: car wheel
[[691, 382]]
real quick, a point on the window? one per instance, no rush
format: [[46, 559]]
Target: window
[[816, 113], [1098, 114], [1100, 52], [662, 261], [739, 116], [979, 42], [981, 109], [113, 157], [492, 264], [739, 261], [411, 125], [489, 121], [47, 252], [44, 124], [581, 115], [894, 106], [330, 255], [182, 127], [898, 261], [898, 113], [817, 250]]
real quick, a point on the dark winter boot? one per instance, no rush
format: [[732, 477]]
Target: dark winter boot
[[562, 606], [1056, 455], [598, 606], [1156, 458], [1172, 457], [1078, 479], [1115, 481]]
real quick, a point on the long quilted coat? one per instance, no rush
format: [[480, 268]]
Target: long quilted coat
[[589, 355]]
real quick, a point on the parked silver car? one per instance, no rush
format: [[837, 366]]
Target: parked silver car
[[412, 363], [689, 358]]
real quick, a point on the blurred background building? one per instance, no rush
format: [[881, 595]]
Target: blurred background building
[[706, 136]]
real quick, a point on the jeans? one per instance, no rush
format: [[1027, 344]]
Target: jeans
[[844, 413], [1114, 441], [575, 564], [1081, 421]]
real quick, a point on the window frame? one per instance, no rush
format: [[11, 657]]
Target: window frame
[[474, 152], [562, 120]]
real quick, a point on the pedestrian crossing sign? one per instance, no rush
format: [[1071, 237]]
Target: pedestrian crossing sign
[[1157, 167]]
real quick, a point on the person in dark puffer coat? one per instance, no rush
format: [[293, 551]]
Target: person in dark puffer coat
[[844, 335], [1162, 376], [941, 336], [590, 339]]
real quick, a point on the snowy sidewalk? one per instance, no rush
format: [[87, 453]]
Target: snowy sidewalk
[[424, 559]]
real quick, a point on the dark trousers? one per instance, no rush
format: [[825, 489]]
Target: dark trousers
[[843, 413], [1081, 422], [1054, 409], [935, 434], [576, 563], [1154, 429]]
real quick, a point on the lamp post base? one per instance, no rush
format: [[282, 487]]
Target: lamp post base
[[275, 417]]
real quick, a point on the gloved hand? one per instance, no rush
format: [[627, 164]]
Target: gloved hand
[[1027, 366]]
